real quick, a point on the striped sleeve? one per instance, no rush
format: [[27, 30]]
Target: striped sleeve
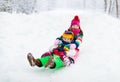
[[78, 41]]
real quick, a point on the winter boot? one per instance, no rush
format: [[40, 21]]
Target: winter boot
[[33, 61], [50, 63]]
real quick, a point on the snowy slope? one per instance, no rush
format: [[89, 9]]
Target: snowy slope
[[99, 59]]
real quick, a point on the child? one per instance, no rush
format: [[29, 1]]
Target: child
[[78, 34], [57, 57], [75, 27]]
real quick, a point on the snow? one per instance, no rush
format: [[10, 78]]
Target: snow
[[99, 58]]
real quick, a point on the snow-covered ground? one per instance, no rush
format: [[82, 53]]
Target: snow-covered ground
[[99, 58]]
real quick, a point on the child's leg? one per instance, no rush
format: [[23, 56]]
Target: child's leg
[[44, 60], [58, 62], [33, 61], [62, 54], [46, 54]]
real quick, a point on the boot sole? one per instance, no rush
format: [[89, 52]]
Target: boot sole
[[30, 59]]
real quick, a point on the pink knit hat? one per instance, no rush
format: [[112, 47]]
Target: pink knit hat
[[75, 21]]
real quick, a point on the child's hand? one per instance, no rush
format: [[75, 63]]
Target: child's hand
[[72, 46], [57, 42]]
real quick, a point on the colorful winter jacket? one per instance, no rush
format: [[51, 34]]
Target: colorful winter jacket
[[78, 38]]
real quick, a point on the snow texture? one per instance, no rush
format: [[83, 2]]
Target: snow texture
[[99, 58]]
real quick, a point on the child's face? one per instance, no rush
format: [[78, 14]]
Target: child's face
[[67, 39], [75, 27]]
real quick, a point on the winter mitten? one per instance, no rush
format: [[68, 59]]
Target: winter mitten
[[57, 42], [70, 52], [72, 46]]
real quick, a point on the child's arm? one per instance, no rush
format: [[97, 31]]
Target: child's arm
[[78, 41], [57, 43]]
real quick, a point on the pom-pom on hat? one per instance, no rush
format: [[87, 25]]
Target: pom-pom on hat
[[68, 34], [75, 21]]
